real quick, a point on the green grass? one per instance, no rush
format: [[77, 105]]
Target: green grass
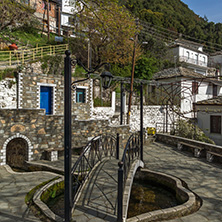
[[30, 194], [28, 36]]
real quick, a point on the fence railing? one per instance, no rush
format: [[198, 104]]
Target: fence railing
[[166, 127], [21, 56], [98, 148], [131, 152]]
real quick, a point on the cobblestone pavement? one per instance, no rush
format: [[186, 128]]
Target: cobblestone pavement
[[203, 178], [13, 189]]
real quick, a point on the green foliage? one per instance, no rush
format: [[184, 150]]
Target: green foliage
[[188, 130], [30, 194], [175, 15], [79, 71], [53, 65], [99, 103], [146, 67], [52, 192], [7, 73], [121, 70]]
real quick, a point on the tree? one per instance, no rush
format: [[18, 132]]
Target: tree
[[13, 14], [108, 28]]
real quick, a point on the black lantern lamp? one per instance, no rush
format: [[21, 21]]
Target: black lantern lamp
[[106, 79]]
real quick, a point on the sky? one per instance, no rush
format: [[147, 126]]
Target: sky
[[212, 9]]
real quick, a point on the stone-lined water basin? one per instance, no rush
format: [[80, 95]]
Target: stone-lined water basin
[[156, 196]]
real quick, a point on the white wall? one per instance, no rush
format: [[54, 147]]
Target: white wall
[[205, 91], [8, 93], [203, 118], [68, 9], [195, 57]]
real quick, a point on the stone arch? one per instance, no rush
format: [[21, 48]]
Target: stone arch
[[22, 140]]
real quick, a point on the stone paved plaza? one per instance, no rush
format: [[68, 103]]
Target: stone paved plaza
[[203, 178], [13, 189]]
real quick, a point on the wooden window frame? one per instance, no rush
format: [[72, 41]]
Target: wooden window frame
[[215, 124]]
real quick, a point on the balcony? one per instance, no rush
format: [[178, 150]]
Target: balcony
[[192, 61]]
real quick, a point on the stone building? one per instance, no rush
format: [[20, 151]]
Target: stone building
[[34, 124]]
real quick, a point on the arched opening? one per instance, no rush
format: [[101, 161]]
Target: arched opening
[[16, 152]]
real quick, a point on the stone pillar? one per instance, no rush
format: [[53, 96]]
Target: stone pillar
[[113, 101]]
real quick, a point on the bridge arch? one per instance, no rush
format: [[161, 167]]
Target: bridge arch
[[128, 186]]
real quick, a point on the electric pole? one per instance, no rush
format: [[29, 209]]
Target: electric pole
[[132, 73], [48, 19]]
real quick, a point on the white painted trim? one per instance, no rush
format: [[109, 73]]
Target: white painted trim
[[53, 95], [17, 135], [86, 90], [20, 90]]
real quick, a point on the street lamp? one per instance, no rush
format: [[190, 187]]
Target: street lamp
[[106, 79], [68, 86]]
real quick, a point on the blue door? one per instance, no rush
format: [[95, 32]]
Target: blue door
[[46, 99]]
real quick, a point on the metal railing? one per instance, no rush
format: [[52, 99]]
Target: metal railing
[[166, 127], [193, 61], [132, 151], [21, 56], [98, 148]]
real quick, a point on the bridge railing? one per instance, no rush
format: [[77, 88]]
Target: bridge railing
[[98, 148], [131, 152]]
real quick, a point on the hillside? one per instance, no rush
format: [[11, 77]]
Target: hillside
[[175, 16]]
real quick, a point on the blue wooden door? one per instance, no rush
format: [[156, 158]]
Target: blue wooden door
[[46, 99]]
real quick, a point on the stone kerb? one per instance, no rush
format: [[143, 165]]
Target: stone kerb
[[129, 182], [190, 203], [174, 140]]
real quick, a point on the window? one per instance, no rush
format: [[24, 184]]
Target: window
[[80, 95], [71, 20], [196, 58], [194, 88], [188, 54], [215, 124], [214, 90]]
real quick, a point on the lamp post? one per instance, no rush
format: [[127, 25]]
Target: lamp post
[[68, 85]]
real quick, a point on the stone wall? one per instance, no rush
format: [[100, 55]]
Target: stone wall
[[152, 115], [43, 132], [30, 81], [8, 93]]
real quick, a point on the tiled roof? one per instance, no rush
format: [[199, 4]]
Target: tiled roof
[[213, 101], [177, 72]]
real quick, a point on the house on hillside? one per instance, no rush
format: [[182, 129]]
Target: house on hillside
[[40, 7], [184, 87], [209, 116], [67, 17], [215, 60], [190, 53]]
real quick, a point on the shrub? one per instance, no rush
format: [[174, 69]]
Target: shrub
[[188, 130]]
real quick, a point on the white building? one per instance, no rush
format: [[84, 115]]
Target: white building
[[191, 53], [184, 87], [67, 16], [209, 115]]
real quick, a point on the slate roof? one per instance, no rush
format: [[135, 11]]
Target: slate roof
[[177, 72], [213, 101]]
